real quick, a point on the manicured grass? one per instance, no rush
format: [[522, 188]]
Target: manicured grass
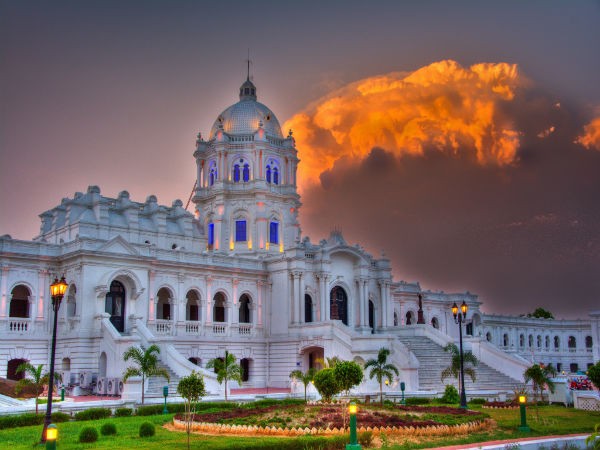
[[553, 420]]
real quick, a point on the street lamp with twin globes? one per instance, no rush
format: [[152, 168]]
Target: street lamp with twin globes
[[459, 318]]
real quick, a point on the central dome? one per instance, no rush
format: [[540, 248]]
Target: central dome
[[244, 116]]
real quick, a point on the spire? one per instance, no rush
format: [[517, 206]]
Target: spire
[[247, 89]]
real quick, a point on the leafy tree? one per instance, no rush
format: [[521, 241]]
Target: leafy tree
[[594, 374], [541, 313], [450, 395], [328, 363], [348, 375], [191, 388], [453, 370], [37, 380], [305, 378], [540, 377], [147, 362], [226, 369], [380, 369], [326, 383]]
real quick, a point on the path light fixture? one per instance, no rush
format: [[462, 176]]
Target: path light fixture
[[353, 445], [57, 291], [522, 407], [402, 388], [459, 318], [165, 395], [51, 435]]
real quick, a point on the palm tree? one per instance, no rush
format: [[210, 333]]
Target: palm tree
[[328, 363], [380, 369], [540, 376], [148, 365], [453, 370], [37, 380], [306, 378], [226, 369]]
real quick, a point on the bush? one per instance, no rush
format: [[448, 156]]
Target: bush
[[108, 429], [21, 420], [88, 434], [450, 395], [478, 401], [365, 438], [348, 374], [123, 412], [412, 401], [93, 414], [594, 373], [58, 417], [268, 402], [326, 384], [147, 429]]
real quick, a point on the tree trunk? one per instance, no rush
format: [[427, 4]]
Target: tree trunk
[[143, 385], [381, 392], [36, 403], [305, 392], [225, 389]]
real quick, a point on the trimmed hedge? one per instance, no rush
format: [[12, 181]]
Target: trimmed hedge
[[478, 401], [108, 429], [270, 402], [411, 401], [88, 434], [25, 420], [93, 414], [123, 412], [173, 408], [58, 417], [147, 429]]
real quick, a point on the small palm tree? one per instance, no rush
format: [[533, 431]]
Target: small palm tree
[[328, 363], [148, 365], [306, 378], [453, 370], [37, 380], [540, 376], [380, 369], [226, 369]]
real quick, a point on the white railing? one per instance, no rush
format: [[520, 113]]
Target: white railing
[[163, 327], [219, 329], [19, 325], [192, 327], [245, 330]]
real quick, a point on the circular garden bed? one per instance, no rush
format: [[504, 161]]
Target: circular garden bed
[[295, 420]]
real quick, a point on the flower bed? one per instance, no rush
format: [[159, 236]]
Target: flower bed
[[500, 405]]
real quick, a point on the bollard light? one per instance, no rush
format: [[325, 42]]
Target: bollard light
[[62, 394], [353, 445], [402, 388], [51, 435], [165, 394], [522, 406]]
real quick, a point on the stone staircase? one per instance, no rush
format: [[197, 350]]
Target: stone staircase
[[156, 384], [433, 360]]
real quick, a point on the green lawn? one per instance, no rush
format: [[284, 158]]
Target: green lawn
[[553, 420]]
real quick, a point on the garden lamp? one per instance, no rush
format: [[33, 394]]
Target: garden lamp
[[353, 445], [522, 406], [166, 394], [402, 388], [51, 435]]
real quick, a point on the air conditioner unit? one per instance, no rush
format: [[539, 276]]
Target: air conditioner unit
[[86, 379], [101, 386], [112, 386], [120, 387]]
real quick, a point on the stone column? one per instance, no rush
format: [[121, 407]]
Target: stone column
[[208, 311], [384, 304], [42, 277], [321, 301], [295, 289], [361, 303], [235, 309], [4, 299], [326, 298], [365, 297], [259, 310], [301, 299]]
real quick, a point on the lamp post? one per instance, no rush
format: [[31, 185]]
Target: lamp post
[[402, 388], [165, 394], [459, 317], [57, 291], [522, 406], [51, 435], [353, 445]]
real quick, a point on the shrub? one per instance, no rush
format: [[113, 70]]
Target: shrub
[[88, 434], [365, 438], [326, 384], [147, 429], [478, 401], [269, 402], [108, 429], [594, 373], [348, 374], [417, 401], [93, 414], [21, 420], [123, 412], [450, 395], [58, 417]]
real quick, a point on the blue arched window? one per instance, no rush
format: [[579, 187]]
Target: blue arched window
[[211, 178], [246, 173], [275, 175], [236, 173], [268, 174]]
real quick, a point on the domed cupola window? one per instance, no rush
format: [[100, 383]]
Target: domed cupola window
[[248, 91]]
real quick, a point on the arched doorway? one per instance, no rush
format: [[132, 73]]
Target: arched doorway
[[11, 369], [219, 307], [163, 305], [191, 306], [115, 305], [372, 316], [339, 305], [434, 323], [308, 312], [409, 318], [244, 309], [245, 365]]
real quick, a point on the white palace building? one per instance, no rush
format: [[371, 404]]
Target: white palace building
[[238, 276]]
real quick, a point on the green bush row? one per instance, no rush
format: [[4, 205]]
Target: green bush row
[[304, 442], [24, 420], [93, 414]]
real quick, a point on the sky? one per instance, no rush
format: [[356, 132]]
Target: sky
[[461, 137]]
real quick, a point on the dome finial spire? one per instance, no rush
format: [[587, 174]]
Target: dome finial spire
[[248, 70], [247, 89]]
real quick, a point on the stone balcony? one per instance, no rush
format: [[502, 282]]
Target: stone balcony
[[197, 328]]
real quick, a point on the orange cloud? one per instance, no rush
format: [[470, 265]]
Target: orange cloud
[[591, 135], [443, 106]]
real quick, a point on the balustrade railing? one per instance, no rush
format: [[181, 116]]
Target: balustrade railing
[[219, 329], [192, 327], [163, 327], [19, 325], [245, 330]]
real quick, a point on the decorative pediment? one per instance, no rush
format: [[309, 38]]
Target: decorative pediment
[[118, 245]]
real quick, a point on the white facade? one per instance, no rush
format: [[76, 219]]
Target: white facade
[[235, 276]]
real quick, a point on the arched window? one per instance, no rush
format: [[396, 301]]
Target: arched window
[[539, 341], [268, 174], [236, 173], [219, 307], [66, 365], [339, 305], [308, 306], [192, 308], [102, 365], [558, 367], [163, 305], [573, 367], [371, 316], [395, 319], [212, 177], [222, 360], [505, 340], [589, 342], [434, 323], [246, 174], [556, 342], [275, 175], [488, 336], [547, 341], [194, 360], [11, 369], [409, 318], [469, 329], [245, 365], [114, 305], [530, 340], [572, 343], [19, 302], [244, 309], [71, 302], [521, 340]]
